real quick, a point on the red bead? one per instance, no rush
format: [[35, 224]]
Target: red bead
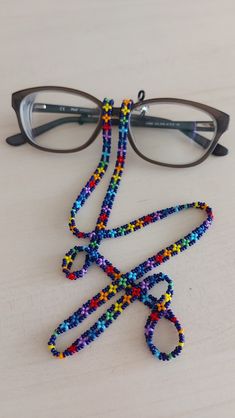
[[71, 276], [92, 183], [154, 316], [103, 217], [136, 291], [158, 258], [72, 349], [148, 218], [110, 270], [94, 303]]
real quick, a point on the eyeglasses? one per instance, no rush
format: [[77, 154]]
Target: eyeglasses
[[167, 132]]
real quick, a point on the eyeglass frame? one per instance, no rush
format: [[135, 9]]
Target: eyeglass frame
[[221, 119]]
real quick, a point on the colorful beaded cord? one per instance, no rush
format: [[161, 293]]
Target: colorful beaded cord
[[125, 282]]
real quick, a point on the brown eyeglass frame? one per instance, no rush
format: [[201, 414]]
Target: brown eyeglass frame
[[221, 119]]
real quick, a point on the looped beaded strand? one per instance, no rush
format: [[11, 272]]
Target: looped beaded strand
[[122, 281]]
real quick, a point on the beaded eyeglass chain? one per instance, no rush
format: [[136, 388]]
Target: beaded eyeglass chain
[[125, 282]]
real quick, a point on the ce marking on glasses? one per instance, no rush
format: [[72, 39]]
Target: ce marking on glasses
[[198, 129]]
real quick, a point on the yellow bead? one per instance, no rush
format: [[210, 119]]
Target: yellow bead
[[116, 177], [130, 227], [167, 297], [61, 355], [118, 307], [51, 346], [112, 289], [68, 259]]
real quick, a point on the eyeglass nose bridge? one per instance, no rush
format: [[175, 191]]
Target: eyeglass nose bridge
[[115, 112]]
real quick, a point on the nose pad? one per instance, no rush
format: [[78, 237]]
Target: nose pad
[[141, 110], [26, 110], [144, 110]]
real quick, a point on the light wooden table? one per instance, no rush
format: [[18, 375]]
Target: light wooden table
[[171, 49]]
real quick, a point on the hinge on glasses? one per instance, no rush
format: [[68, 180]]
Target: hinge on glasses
[[205, 125], [39, 106]]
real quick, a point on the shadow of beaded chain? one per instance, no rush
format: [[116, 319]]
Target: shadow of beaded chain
[[122, 281]]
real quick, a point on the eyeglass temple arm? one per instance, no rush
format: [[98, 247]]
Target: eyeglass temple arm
[[90, 115]]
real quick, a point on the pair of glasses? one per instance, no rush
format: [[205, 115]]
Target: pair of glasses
[[167, 132]]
